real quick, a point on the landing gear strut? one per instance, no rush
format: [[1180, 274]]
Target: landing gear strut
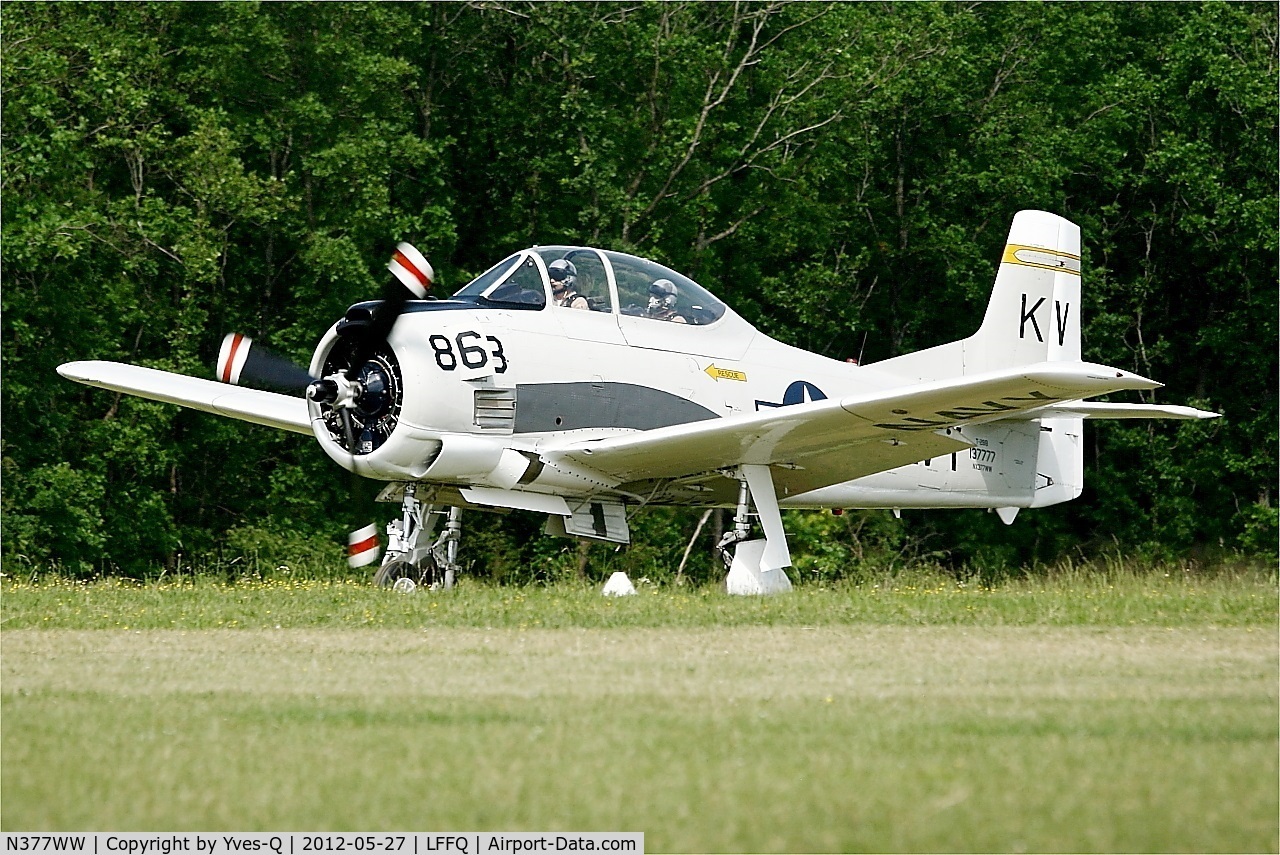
[[741, 526], [756, 566], [412, 558]]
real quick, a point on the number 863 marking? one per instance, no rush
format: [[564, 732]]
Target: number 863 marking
[[472, 351]]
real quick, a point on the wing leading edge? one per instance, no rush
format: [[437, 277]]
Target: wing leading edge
[[828, 442], [250, 405]]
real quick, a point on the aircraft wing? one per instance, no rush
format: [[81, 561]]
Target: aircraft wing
[[250, 405], [828, 442]]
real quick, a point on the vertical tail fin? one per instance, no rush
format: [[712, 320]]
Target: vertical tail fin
[[1034, 311], [1034, 316]]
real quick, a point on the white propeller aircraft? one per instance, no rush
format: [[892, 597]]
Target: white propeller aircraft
[[582, 383]]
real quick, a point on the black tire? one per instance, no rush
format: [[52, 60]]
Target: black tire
[[388, 574], [427, 574]]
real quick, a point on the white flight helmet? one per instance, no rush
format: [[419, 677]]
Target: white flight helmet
[[561, 270], [662, 296]]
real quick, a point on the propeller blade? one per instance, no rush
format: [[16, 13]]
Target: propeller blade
[[412, 268], [241, 359], [414, 272], [363, 547], [351, 437]]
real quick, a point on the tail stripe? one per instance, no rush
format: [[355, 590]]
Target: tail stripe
[[1048, 259], [1033, 314]]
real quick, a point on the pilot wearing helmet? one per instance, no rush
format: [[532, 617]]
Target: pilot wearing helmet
[[662, 302], [563, 275]]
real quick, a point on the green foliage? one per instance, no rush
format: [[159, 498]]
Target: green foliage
[[859, 546], [58, 520], [257, 553], [175, 171]]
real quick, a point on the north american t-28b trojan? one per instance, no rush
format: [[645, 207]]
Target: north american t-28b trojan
[[581, 383]]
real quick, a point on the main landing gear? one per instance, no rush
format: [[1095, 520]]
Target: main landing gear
[[756, 566], [412, 558]]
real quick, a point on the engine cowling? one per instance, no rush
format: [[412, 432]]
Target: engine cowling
[[410, 419]]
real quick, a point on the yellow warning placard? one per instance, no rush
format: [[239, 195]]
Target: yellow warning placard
[[717, 373]]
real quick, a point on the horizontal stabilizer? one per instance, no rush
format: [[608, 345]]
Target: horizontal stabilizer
[[271, 409], [1104, 410]]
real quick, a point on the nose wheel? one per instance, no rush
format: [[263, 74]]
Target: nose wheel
[[413, 559], [402, 575]]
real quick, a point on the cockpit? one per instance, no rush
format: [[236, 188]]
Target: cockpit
[[583, 279]]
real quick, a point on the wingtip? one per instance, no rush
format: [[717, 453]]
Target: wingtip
[[1137, 381], [1090, 374], [1121, 378], [73, 370]]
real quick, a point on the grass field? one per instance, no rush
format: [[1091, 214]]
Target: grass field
[[1087, 714]]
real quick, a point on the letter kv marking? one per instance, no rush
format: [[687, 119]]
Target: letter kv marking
[[1030, 316]]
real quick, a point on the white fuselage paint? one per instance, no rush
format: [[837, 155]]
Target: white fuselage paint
[[448, 354]]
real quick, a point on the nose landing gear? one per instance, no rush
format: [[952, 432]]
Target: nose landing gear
[[412, 559]]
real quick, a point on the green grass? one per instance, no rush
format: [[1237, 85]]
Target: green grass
[[1131, 713], [1162, 598]]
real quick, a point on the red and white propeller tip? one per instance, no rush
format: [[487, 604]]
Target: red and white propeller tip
[[412, 268], [363, 547], [232, 357], [242, 360]]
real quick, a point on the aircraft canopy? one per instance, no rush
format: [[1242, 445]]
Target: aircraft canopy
[[610, 281]]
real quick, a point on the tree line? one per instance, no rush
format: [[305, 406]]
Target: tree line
[[842, 174]]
